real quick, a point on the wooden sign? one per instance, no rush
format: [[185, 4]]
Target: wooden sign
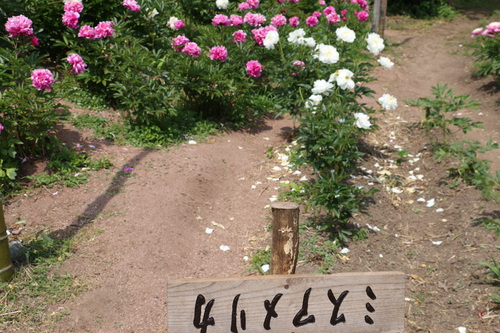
[[346, 302]]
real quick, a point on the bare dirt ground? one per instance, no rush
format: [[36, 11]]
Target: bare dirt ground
[[147, 226]]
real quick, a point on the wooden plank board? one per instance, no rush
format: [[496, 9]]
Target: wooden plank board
[[295, 299]]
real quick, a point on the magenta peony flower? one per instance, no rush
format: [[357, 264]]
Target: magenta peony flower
[[104, 29], [73, 6], [19, 25], [322, 2], [317, 14], [77, 62], [179, 41], [34, 41], [254, 68], [281, 1], [253, 4], [329, 10], [1, 128], [218, 53], [179, 24], [87, 32], [221, 19], [132, 5], [278, 20], [70, 19], [312, 21], [42, 79], [239, 36], [236, 20], [192, 49], [294, 21], [363, 16], [260, 34]]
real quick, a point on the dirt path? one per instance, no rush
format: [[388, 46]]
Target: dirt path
[[149, 225]]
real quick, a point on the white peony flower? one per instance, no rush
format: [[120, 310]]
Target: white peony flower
[[272, 38], [388, 102], [362, 120], [152, 13], [375, 43], [322, 87], [327, 54], [310, 42], [222, 4], [385, 62], [343, 77], [345, 34], [294, 36], [313, 101]]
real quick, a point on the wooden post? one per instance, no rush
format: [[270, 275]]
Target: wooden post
[[285, 247], [379, 15], [383, 14], [6, 268], [376, 16]]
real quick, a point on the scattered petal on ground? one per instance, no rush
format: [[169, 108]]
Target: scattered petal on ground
[[462, 329], [192, 142], [421, 200], [396, 190], [265, 268], [439, 210], [437, 242], [209, 231], [224, 248], [345, 250], [431, 202]]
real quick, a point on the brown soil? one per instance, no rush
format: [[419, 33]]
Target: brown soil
[[145, 227]]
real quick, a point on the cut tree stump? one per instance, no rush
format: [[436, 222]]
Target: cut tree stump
[[285, 247]]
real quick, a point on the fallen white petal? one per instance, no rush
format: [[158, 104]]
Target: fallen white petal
[[345, 250], [396, 190], [245, 258], [431, 202], [240, 147], [462, 329], [439, 210], [277, 168], [192, 142], [266, 138], [303, 179], [381, 255], [209, 231], [297, 172], [224, 248], [253, 186], [265, 268], [421, 200], [273, 199], [437, 242]]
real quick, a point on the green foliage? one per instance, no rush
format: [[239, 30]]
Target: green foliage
[[495, 271], [493, 225], [470, 168], [440, 112], [488, 56], [421, 9], [260, 257]]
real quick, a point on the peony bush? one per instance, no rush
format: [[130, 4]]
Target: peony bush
[[167, 66]]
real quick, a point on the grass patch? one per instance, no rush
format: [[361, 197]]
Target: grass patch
[[30, 299]]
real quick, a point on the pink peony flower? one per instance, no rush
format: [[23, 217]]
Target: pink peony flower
[[254, 68], [260, 34], [281, 1], [493, 27], [221, 19], [132, 5], [254, 20], [179, 41], [243, 6], [343, 12], [34, 41], [77, 62], [42, 79], [218, 53], [344, 18], [363, 4], [363, 16], [19, 25], [87, 32], [1, 128], [253, 4], [278, 20], [294, 21], [239, 36], [317, 14], [322, 2], [333, 18], [70, 19], [476, 32], [73, 6], [329, 10], [104, 29], [236, 20], [312, 21], [179, 24], [192, 49]]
